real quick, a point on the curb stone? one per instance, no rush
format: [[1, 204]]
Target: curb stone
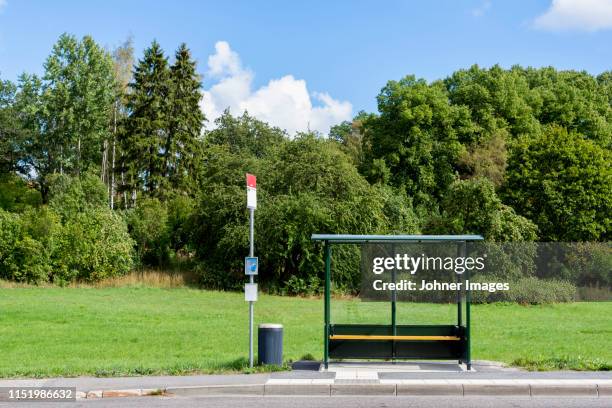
[[592, 390], [363, 389], [132, 392], [604, 390], [586, 390], [238, 389], [121, 393], [297, 389], [429, 389], [94, 394], [496, 389]]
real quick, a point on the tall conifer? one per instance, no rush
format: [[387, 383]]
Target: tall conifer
[[146, 128], [185, 121]]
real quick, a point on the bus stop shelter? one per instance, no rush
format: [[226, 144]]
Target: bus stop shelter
[[396, 340]]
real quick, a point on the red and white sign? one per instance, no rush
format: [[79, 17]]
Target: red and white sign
[[251, 182]]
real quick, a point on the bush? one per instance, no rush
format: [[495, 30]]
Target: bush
[[180, 212], [31, 261], [526, 291], [44, 225], [22, 258], [536, 291], [16, 195], [93, 245], [298, 286], [10, 235], [148, 226], [72, 195]]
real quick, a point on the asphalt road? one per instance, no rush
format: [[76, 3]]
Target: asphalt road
[[332, 402]]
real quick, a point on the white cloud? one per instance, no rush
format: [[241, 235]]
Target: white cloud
[[224, 60], [2, 4], [482, 9], [585, 15], [284, 102]]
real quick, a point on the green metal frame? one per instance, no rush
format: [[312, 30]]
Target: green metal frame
[[394, 349]]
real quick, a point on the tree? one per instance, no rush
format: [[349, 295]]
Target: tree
[[245, 134], [415, 139], [77, 98], [574, 100], [350, 136], [562, 182], [497, 99], [11, 132], [146, 127], [123, 61], [182, 147], [307, 185], [66, 112], [473, 207], [486, 159]]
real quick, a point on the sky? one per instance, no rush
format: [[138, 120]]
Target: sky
[[311, 64]]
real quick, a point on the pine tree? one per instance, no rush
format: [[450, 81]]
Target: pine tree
[[146, 128], [185, 122]]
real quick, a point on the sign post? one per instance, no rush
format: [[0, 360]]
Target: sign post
[[251, 262]]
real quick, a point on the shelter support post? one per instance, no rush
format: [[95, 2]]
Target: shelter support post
[[459, 279], [327, 303], [468, 334]]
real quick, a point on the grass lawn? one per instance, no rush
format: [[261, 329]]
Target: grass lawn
[[127, 331]]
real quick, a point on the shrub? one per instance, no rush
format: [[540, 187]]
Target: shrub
[[148, 226], [10, 235], [72, 195], [527, 291], [298, 286], [536, 291], [31, 261], [180, 212], [16, 195], [93, 245], [22, 258], [43, 224]]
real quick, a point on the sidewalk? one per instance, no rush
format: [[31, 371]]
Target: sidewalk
[[401, 379]]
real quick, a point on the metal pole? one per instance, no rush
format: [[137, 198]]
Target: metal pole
[[251, 280], [327, 304], [459, 279], [393, 313], [468, 333]]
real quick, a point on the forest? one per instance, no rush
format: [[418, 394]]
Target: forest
[[108, 165]]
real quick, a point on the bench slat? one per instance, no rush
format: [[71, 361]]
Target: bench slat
[[380, 337]]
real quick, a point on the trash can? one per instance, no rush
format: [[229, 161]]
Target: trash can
[[270, 344]]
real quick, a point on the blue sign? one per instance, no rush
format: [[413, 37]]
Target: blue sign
[[251, 265]]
